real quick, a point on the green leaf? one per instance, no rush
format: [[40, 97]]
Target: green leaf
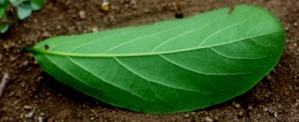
[[2, 2], [37, 4], [24, 10], [14, 1], [4, 28], [171, 66], [2, 12], [3, 8]]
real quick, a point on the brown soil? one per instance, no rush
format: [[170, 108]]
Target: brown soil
[[32, 91]]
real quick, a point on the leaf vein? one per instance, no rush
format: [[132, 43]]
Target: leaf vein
[[185, 33], [196, 71], [96, 40], [221, 30], [236, 58], [141, 37], [147, 79], [102, 79], [263, 20]]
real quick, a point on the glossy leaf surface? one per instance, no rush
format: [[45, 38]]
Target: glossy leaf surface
[[170, 66]]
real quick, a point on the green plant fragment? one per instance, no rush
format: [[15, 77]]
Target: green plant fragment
[[2, 12], [171, 66], [14, 1], [4, 28], [2, 2], [37, 4], [3, 7], [24, 10]]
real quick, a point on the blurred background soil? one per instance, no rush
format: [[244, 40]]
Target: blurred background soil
[[33, 95]]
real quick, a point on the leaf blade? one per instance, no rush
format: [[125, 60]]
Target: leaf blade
[[165, 68], [24, 10]]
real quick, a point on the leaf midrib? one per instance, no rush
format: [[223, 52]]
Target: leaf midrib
[[38, 50]]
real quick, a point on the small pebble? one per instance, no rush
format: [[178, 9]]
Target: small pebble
[[48, 93], [27, 107], [287, 28], [29, 115], [265, 109], [91, 118], [84, 106], [25, 63], [208, 119], [35, 20], [11, 94], [82, 14], [42, 114], [12, 58], [240, 114], [22, 116], [17, 108], [5, 46], [58, 27], [51, 119], [133, 2], [297, 103], [95, 29], [250, 108], [275, 114], [35, 62], [186, 115], [39, 78], [286, 93], [237, 105], [40, 119], [22, 84], [127, 6], [46, 34], [193, 113], [93, 111], [295, 24]]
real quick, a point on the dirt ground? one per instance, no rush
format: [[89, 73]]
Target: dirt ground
[[33, 95]]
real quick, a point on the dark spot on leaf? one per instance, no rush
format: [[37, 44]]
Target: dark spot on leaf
[[231, 10], [46, 47]]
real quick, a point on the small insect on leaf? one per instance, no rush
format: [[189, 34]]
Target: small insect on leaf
[[171, 66]]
